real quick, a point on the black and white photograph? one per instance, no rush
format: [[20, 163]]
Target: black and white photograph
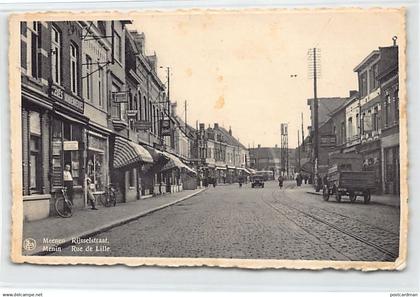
[[243, 138]]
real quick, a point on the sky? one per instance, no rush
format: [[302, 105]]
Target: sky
[[235, 68]]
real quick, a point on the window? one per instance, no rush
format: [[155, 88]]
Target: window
[[397, 107], [343, 132], [350, 127], [373, 74], [357, 124], [375, 120], [33, 44], [117, 46], [73, 69], [387, 110], [100, 86], [56, 55], [150, 115], [363, 84], [35, 167], [89, 75]]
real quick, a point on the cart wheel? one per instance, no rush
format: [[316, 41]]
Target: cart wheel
[[352, 196], [366, 197], [325, 194], [337, 196]]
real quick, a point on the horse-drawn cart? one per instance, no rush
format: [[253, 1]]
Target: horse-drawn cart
[[346, 177]]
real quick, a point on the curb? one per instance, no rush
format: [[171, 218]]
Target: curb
[[113, 224]]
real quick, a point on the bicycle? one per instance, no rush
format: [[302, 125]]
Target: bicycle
[[109, 197], [63, 205]]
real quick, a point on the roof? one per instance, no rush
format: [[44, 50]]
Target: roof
[[366, 60], [230, 139], [326, 107]]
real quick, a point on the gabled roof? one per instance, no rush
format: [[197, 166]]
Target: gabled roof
[[230, 139]]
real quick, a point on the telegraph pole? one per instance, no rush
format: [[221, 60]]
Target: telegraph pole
[[185, 113], [298, 148], [313, 55]]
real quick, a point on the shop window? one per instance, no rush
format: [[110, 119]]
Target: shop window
[[387, 110], [95, 169], [64, 152], [35, 165], [56, 55]]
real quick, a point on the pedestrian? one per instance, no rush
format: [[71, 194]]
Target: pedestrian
[[90, 196], [306, 179], [68, 184], [280, 179]]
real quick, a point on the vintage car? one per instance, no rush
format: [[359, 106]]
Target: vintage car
[[257, 181], [347, 177]]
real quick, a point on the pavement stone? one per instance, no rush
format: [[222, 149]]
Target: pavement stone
[[87, 222]]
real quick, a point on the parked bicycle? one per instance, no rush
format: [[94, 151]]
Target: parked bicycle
[[109, 197], [63, 205]]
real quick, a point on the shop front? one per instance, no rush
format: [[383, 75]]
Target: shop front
[[68, 141], [221, 174], [371, 153], [97, 169], [130, 162], [178, 175], [35, 159]]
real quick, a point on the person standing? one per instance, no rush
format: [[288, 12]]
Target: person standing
[[68, 181], [90, 196]]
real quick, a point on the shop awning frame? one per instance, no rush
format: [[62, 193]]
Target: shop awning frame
[[127, 153], [175, 162]]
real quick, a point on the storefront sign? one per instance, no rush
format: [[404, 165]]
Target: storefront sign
[[142, 125], [131, 113], [56, 147], [120, 97], [165, 127], [57, 92], [71, 145], [73, 101]]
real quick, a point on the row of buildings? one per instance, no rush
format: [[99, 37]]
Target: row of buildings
[[91, 98], [365, 122]]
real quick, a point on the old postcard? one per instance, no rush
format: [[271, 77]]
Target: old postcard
[[231, 138]]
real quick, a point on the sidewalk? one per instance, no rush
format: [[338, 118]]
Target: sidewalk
[[385, 199], [86, 222]]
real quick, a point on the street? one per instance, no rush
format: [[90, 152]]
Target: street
[[257, 223]]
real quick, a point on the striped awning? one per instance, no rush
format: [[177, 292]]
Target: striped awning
[[175, 162], [127, 152]]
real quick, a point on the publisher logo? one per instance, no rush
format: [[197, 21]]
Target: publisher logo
[[29, 244]]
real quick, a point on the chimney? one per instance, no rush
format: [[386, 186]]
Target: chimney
[[202, 126], [275, 146], [152, 61], [216, 126], [352, 93], [259, 146], [230, 130]]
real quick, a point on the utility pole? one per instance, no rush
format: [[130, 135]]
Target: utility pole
[[185, 114], [298, 148], [313, 69], [303, 135]]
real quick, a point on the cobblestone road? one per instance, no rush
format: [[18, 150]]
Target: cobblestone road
[[268, 223]]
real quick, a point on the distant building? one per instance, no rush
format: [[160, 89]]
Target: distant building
[[269, 158]]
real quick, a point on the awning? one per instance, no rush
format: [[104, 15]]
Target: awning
[[245, 170], [175, 162], [158, 156], [127, 152], [252, 171], [220, 168], [231, 167]]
